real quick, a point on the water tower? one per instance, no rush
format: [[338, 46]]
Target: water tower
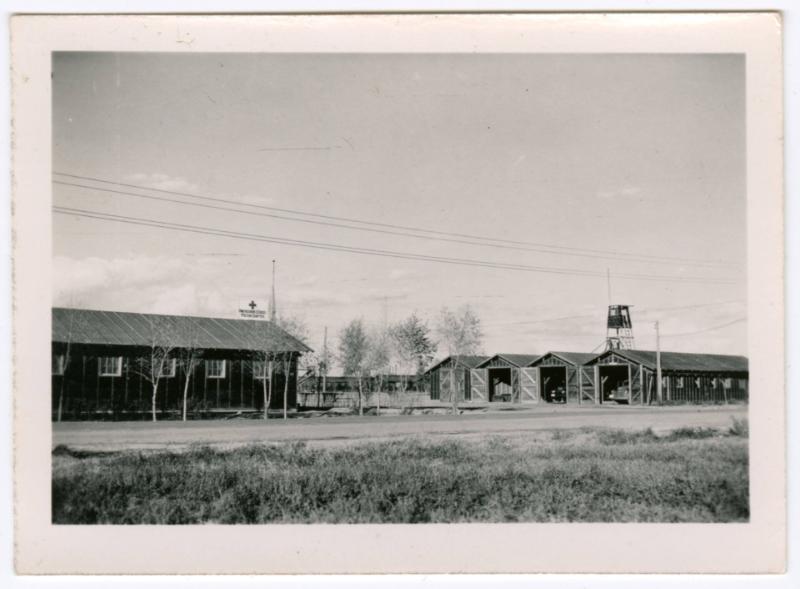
[[619, 328]]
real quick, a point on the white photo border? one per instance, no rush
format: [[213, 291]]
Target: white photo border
[[42, 548]]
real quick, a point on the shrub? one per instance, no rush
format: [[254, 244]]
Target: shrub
[[692, 433], [620, 436], [739, 427]]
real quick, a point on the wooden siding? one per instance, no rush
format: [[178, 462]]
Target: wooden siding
[[586, 385], [708, 388], [87, 395], [574, 382], [349, 400], [498, 362], [573, 392], [681, 386], [478, 383], [529, 385]]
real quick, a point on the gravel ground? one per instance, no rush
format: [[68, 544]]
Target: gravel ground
[[351, 429]]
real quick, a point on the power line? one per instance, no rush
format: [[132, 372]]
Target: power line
[[620, 257], [547, 320], [557, 249], [698, 306], [341, 225], [586, 316], [739, 320], [362, 250]]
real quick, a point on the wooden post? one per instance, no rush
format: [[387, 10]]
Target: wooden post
[[659, 392], [83, 379], [97, 389], [141, 398], [641, 384], [598, 399], [229, 378], [324, 366], [287, 370], [126, 364]]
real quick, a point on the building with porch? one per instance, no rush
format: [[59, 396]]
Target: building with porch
[[103, 364]]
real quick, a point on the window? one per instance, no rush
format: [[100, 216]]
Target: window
[[109, 366], [727, 383], [59, 363], [168, 368], [215, 368], [679, 382], [259, 370]]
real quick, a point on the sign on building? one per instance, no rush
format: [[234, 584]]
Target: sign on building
[[252, 309]]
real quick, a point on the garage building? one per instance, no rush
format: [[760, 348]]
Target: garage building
[[454, 373], [557, 377], [506, 378], [629, 376]]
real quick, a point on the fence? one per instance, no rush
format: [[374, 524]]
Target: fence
[[349, 399]]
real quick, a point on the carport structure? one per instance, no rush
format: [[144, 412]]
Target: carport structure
[[557, 376], [629, 376], [453, 374], [505, 378]]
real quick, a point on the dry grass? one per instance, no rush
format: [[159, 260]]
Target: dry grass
[[689, 475]]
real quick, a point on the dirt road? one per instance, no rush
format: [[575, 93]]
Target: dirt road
[[332, 430]]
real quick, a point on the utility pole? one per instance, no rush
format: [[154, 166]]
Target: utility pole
[[273, 314], [324, 366], [659, 392]]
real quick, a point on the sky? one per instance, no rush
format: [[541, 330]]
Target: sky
[[567, 167]]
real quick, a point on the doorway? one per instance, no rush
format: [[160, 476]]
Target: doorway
[[615, 383], [554, 384], [500, 385]]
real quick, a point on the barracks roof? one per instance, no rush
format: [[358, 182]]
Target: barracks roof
[[680, 361], [83, 326]]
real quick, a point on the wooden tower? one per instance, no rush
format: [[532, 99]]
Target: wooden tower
[[619, 328]]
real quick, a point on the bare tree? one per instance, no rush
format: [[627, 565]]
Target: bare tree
[[296, 327], [188, 354], [413, 344], [263, 355], [378, 357], [74, 324], [65, 361], [353, 348], [460, 333], [154, 363]]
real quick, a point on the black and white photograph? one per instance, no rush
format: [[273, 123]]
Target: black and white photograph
[[421, 287]]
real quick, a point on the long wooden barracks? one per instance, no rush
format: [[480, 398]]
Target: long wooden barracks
[[615, 376], [97, 359]]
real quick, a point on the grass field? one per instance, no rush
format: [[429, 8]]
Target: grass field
[[587, 475]]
